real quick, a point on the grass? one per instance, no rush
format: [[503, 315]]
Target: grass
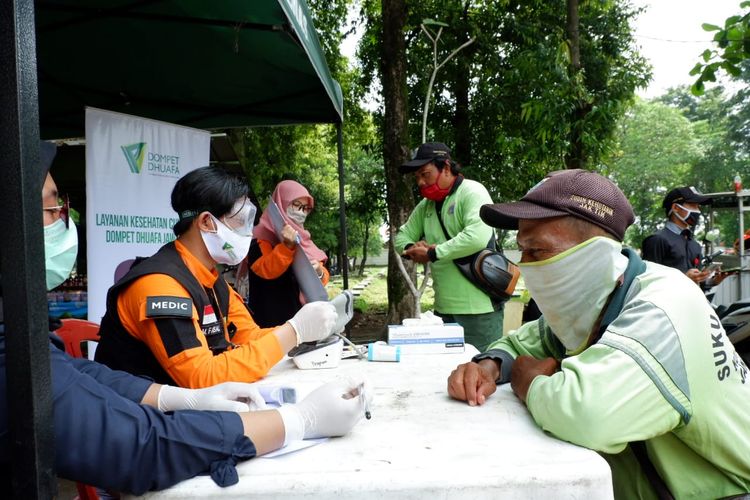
[[374, 298]]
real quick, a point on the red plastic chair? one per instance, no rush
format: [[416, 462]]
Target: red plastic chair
[[73, 332]]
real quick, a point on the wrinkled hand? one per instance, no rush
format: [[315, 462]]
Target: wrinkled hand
[[229, 396], [697, 275], [332, 409], [314, 321], [289, 236], [418, 252], [474, 382], [526, 369]]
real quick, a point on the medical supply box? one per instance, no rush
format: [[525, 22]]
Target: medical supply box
[[427, 339]]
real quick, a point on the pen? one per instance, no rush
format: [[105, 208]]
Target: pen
[[368, 415]]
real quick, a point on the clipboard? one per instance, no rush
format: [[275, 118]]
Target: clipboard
[[307, 278]]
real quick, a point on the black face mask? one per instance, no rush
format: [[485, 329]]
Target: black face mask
[[692, 218]]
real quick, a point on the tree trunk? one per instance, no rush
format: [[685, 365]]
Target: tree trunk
[[364, 249], [461, 85], [576, 157], [395, 150]]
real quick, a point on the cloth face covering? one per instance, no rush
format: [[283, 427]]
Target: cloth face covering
[[691, 219], [572, 288], [297, 216], [434, 192], [224, 245], [60, 251]]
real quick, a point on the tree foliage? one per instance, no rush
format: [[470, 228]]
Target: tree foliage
[[733, 47], [657, 147], [308, 154], [680, 139], [506, 102]]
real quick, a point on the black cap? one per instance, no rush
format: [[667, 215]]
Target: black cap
[[686, 194], [427, 152], [47, 151], [580, 193]]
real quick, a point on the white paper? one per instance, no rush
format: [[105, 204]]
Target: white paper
[[294, 446]]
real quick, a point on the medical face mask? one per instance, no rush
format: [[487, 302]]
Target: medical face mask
[[224, 245], [692, 218], [434, 192], [572, 288], [298, 216], [60, 251]]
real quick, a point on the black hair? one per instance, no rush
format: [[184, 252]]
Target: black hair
[[440, 163], [212, 189]]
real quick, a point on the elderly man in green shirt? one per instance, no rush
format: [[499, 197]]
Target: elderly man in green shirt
[[445, 225], [628, 358]]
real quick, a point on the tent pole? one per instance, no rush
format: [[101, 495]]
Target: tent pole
[[28, 380], [343, 258]]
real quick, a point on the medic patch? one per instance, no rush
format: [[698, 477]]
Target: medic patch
[[165, 306]]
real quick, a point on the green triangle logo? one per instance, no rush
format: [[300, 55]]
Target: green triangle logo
[[134, 154], [227, 247]]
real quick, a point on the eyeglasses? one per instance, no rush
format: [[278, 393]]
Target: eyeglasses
[[301, 206], [62, 209]]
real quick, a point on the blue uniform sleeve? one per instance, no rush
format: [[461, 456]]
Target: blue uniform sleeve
[[123, 383], [105, 439]]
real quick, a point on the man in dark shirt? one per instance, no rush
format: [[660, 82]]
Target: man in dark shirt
[[673, 245]]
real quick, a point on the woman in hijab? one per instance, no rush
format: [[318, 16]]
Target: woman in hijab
[[274, 295]]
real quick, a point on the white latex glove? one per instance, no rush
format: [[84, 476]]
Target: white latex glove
[[229, 396], [332, 409], [314, 321]]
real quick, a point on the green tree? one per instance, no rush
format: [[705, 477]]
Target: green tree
[[720, 123], [733, 48], [511, 104], [657, 148], [366, 205]]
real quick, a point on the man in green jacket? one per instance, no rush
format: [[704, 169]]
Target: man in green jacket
[[628, 358], [426, 238]]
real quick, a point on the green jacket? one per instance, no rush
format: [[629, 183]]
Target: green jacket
[[663, 372], [454, 294]]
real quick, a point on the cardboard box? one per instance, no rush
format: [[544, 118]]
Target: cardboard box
[[427, 339]]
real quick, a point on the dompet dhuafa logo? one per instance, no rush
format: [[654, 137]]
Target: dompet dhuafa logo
[[156, 163], [134, 154]]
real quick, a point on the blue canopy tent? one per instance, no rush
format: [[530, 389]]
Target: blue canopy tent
[[203, 64]]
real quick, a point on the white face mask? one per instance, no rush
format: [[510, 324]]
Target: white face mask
[[224, 245], [572, 288], [60, 251], [297, 216]]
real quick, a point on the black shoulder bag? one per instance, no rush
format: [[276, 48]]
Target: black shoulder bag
[[487, 269]]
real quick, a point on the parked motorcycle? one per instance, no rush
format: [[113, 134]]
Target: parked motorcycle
[[735, 318]]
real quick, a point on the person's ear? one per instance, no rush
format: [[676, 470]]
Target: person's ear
[[205, 222]]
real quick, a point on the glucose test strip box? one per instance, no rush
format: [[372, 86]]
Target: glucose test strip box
[[427, 339]]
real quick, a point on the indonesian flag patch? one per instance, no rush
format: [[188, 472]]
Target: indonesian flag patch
[[208, 315]]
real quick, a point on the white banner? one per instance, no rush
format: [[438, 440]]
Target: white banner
[[132, 165]]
